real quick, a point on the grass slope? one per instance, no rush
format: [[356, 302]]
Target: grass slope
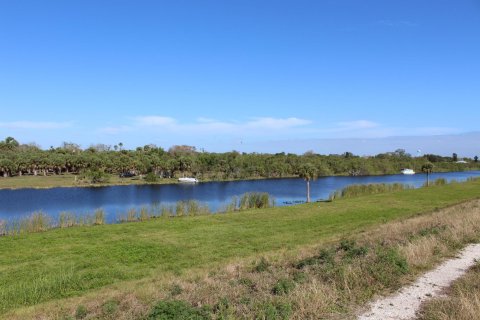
[[68, 262]]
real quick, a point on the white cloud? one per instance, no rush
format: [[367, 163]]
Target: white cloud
[[277, 123], [155, 121], [35, 125]]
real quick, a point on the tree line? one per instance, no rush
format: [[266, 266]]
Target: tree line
[[29, 159]]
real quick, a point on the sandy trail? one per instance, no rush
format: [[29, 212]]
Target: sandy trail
[[405, 303]]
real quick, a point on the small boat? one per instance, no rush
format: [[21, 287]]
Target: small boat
[[188, 180], [407, 171]]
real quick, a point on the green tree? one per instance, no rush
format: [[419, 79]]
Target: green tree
[[427, 168], [308, 172]]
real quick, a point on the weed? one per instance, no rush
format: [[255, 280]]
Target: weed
[[262, 265], [81, 312], [325, 256], [283, 286], [175, 290], [224, 309], [388, 266], [300, 277], [246, 282], [144, 215], [351, 250], [110, 307], [175, 309], [132, 215], [274, 311], [99, 217]]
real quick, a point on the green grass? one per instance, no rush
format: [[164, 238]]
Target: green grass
[[61, 263]]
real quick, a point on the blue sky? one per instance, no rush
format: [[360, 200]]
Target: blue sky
[[225, 75]]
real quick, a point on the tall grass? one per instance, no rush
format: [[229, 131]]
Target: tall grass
[[67, 219], [36, 222], [3, 227], [437, 182], [40, 221], [99, 217], [356, 190], [249, 200]]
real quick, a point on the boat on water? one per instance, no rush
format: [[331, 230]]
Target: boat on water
[[407, 171], [188, 180]]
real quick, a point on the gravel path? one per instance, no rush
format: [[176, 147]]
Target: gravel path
[[405, 303]]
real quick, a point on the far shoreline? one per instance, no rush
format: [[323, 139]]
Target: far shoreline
[[67, 181]]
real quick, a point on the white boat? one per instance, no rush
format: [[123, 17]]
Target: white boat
[[407, 171], [188, 180]]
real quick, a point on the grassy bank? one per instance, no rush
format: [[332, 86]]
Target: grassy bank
[[69, 180], [78, 261]]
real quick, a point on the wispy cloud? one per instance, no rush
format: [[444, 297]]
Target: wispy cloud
[[204, 126], [278, 124], [372, 129], [115, 130], [214, 133], [155, 121], [35, 125]]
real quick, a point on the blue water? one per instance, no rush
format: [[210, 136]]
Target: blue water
[[116, 200]]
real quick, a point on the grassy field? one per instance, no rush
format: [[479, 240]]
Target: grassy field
[[41, 267], [67, 180]]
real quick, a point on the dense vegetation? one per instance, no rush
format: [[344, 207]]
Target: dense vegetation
[[96, 162]]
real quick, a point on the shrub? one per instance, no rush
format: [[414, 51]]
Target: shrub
[[274, 311], [283, 286], [81, 312], [262, 265], [299, 277], [351, 249], [151, 177], [95, 176], [175, 290], [175, 310], [110, 307], [326, 256], [388, 266]]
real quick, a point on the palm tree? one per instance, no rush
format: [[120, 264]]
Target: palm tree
[[427, 168], [308, 172]]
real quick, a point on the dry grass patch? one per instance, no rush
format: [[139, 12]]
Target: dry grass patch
[[461, 302]]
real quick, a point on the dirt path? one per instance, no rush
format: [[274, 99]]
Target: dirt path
[[405, 303]]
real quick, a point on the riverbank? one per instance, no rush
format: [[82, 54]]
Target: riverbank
[[59, 270], [71, 181]]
